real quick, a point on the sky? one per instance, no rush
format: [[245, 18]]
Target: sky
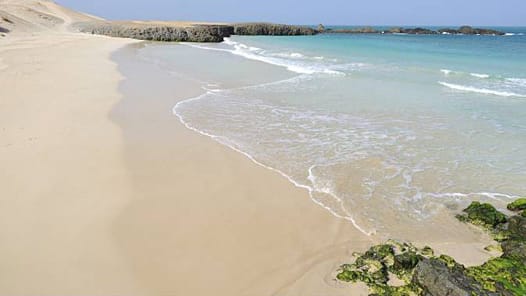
[[331, 12]]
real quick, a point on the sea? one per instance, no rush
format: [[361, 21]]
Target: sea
[[372, 126]]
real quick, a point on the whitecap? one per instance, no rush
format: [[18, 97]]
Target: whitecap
[[481, 90], [479, 75], [446, 71]]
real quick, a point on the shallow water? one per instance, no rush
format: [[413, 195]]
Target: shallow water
[[372, 125]]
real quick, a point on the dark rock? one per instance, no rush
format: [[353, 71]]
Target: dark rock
[[449, 31], [362, 30], [517, 228], [419, 31], [271, 29], [513, 249], [406, 261], [467, 30], [437, 279], [483, 214]]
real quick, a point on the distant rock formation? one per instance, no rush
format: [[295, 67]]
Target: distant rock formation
[[188, 33], [271, 29], [465, 30], [362, 30], [158, 32]]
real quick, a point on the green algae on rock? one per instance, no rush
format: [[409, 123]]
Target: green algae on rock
[[373, 268], [482, 214], [425, 274], [517, 205], [502, 275]]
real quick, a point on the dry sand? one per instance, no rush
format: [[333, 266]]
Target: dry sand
[[109, 195]]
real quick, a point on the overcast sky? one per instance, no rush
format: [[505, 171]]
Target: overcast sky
[[362, 12]]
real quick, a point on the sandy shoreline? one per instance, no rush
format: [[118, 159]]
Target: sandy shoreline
[[212, 210], [105, 192]]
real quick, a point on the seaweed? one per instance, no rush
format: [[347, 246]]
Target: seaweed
[[517, 205], [500, 274], [505, 275]]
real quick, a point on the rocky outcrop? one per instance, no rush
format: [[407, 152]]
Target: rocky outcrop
[[361, 30], [437, 279], [465, 30], [515, 246], [188, 33], [158, 32], [419, 31], [272, 29]]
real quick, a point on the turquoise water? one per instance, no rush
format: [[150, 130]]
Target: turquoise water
[[376, 125]]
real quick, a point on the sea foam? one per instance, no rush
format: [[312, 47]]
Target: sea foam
[[480, 90]]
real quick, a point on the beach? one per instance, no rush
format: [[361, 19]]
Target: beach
[[105, 191], [89, 208]]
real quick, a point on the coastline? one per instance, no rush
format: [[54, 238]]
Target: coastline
[[105, 191], [191, 193], [138, 204]]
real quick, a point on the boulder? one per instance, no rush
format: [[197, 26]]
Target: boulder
[[483, 214], [513, 249], [435, 278], [517, 205]]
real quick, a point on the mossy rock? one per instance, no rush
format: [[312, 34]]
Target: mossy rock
[[500, 275], [517, 228], [517, 205], [405, 261], [483, 214], [380, 252], [448, 260], [427, 251]]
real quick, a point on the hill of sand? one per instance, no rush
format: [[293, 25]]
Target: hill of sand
[[32, 16]]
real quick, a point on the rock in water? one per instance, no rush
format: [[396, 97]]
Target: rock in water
[[437, 279], [271, 29], [518, 205], [483, 214]]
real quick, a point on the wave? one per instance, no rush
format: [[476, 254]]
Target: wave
[[294, 62], [310, 189], [448, 72], [479, 75], [481, 90], [517, 81]]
